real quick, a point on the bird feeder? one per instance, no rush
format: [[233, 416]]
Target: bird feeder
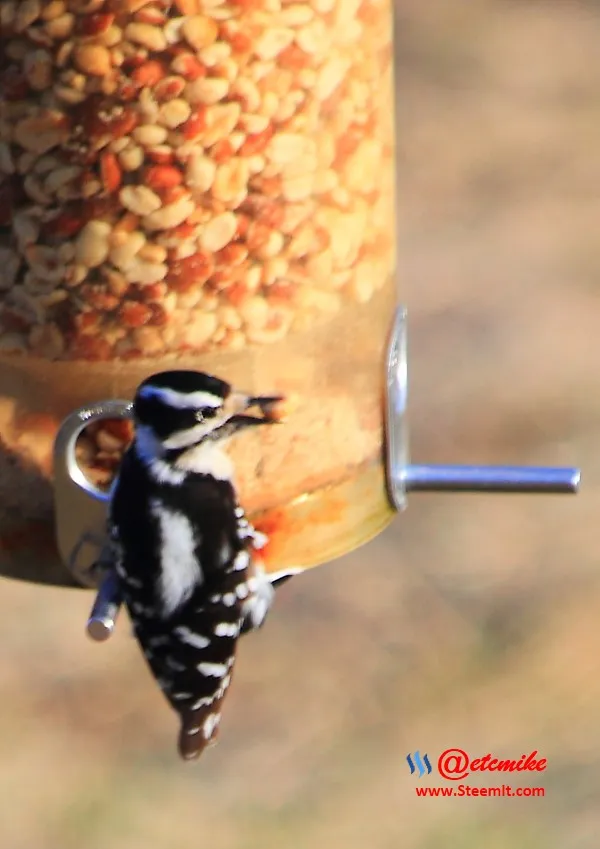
[[207, 186]]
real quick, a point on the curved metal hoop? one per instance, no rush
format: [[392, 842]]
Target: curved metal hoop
[[80, 507]]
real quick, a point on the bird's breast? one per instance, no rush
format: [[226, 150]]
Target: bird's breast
[[180, 571]]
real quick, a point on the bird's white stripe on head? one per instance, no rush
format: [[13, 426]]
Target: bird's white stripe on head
[[213, 670], [180, 571], [181, 400], [198, 641]]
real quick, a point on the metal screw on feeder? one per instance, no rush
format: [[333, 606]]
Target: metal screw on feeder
[[81, 521]]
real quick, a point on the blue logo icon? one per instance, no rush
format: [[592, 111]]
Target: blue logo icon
[[416, 762]]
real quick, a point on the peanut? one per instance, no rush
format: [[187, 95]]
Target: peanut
[[239, 191], [92, 245]]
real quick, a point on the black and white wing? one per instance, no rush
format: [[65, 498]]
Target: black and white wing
[[192, 655], [192, 583]]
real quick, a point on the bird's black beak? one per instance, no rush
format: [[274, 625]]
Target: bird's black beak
[[238, 404], [266, 404]]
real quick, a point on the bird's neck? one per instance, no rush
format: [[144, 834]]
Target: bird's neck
[[147, 446], [207, 458], [204, 458]]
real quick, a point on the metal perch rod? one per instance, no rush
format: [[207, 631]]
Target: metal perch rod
[[405, 477], [104, 613], [498, 479], [432, 478]]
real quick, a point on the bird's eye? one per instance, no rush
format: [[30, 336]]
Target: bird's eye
[[206, 413]]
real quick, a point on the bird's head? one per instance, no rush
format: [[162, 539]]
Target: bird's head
[[177, 410]]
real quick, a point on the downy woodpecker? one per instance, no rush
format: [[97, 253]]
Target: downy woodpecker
[[183, 546]]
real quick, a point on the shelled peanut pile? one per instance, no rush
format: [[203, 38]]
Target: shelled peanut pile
[[189, 176], [100, 449]]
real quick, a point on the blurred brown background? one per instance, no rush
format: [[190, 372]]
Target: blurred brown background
[[474, 621]]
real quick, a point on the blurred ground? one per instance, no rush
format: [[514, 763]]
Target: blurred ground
[[473, 621]]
